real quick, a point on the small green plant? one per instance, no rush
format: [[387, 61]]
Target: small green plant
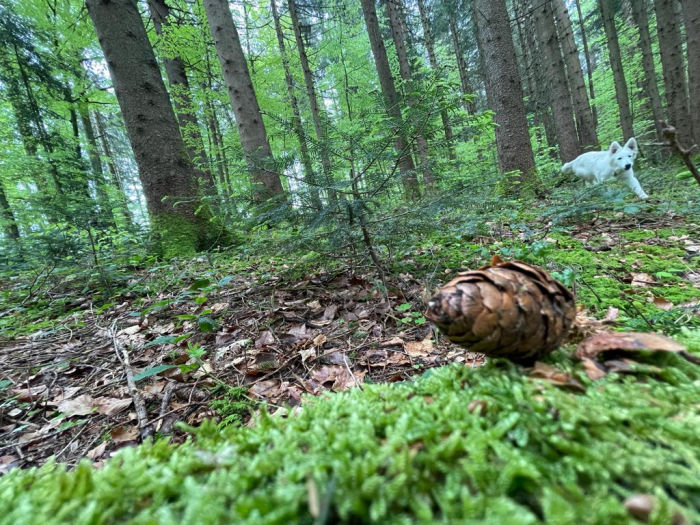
[[233, 407], [410, 317]]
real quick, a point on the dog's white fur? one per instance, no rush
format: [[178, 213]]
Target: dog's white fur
[[598, 166]]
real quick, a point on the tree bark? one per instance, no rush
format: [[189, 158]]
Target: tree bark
[[309, 175], [503, 87], [397, 23], [554, 69], [405, 162], [181, 94], [165, 169], [585, 123], [607, 13], [589, 64], [651, 88], [251, 127], [467, 90], [9, 222], [691, 20], [432, 59]]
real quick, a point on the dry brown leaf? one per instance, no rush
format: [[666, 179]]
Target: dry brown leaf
[[79, 406], [30, 394], [420, 348], [642, 280], [611, 315], [266, 338], [298, 331], [66, 393], [663, 303], [109, 406], [320, 340], [97, 451], [394, 341], [124, 434], [626, 341], [592, 369], [7, 462], [307, 354], [130, 330], [329, 312], [555, 376]]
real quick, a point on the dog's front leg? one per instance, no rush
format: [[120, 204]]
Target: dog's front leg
[[634, 185]]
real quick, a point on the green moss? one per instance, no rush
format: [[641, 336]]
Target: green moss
[[177, 236], [407, 453]]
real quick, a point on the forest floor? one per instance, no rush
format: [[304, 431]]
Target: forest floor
[[218, 336]]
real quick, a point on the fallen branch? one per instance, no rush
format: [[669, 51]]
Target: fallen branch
[[145, 428], [670, 134]]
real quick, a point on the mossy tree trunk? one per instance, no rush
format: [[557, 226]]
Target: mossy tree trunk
[[467, 90], [691, 20], [166, 172]]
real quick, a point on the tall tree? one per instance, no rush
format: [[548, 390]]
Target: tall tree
[[318, 116], [182, 98], [607, 13], [671, 50], [651, 87], [397, 24], [251, 127], [9, 223], [585, 123], [429, 42], [165, 169], [309, 175], [554, 66], [691, 20], [587, 57], [503, 87], [391, 98], [467, 90]]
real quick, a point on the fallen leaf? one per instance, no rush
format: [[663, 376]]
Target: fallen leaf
[[7, 462], [555, 376], [320, 340], [266, 338], [30, 394], [109, 406], [306, 354], [592, 369], [611, 315], [642, 280], [130, 330], [66, 393], [626, 341], [420, 348], [663, 303], [394, 341], [123, 434], [97, 451], [298, 331], [79, 406], [329, 312]]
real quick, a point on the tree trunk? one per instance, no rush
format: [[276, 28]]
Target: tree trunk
[[114, 172], [651, 88], [503, 88], [432, 59], [691, 20], [9, 223], [182, 98], [251, 128], [405, 162], [607, 13], [397, 23], [554, 68], [309, 175], [469, 104], [164, 166], [585, 123], [589, 64], [316, 113]]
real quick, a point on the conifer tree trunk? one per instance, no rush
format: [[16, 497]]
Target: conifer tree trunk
[[251, 128], [671, 51], [8, 217], [589, 64], [585, 123], [503, 87], [397, 24], [651, 88], [318, 119], [182, 99], [432, 59], [386, 81], [469, 105], [554, 67], [691, 20], [164, 166], [309, 175], [607, 13]]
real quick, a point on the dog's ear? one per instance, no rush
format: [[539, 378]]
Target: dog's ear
[[631, 144], [614, 148]]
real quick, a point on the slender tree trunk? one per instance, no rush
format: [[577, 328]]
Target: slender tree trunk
[[309, 175], [467, 90], [318, 119], [181, 94], [397, 23], [651, 88], [503, 87], [114, 172], [96, 165], [589, 64], [432, 59], [691, 20], [554, 66], [9, 223], [165, 169], [391, 98], [585, 123], [607, 13], [251, 127]]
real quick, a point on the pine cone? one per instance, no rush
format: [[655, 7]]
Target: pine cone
[[506, 309]]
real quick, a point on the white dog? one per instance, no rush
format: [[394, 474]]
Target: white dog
[[597, 166]]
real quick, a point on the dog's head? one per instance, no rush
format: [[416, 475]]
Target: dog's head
[[622, 157]]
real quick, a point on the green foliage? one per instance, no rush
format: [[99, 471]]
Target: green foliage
[[405, 452]]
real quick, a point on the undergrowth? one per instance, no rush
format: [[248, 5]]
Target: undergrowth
[[482, 445]]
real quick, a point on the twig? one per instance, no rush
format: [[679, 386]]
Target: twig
[[145, 429], [670, 134]]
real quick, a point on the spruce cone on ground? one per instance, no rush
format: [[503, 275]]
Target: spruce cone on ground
[[507, 309]]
